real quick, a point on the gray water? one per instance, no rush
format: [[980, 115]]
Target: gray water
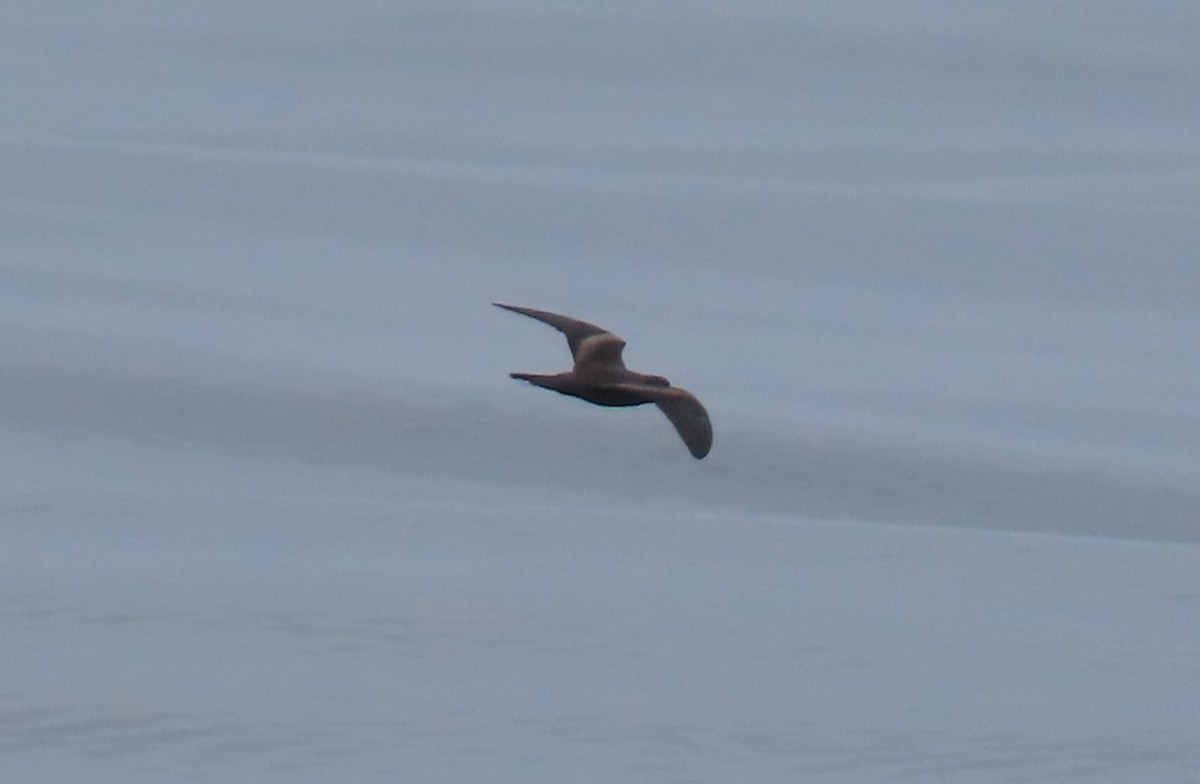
[[272, 510]]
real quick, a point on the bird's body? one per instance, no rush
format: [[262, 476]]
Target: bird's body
[[600, 376]]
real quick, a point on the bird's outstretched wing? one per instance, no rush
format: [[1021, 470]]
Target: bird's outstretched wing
[[574, 329], [688, 416]]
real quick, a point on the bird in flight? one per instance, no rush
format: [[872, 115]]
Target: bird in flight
[[600, 377]]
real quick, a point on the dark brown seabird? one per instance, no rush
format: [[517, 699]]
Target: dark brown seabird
[[600, 377]]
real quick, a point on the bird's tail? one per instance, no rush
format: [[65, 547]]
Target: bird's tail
[[537, 379]]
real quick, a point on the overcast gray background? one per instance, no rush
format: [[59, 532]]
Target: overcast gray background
[[272, 510]]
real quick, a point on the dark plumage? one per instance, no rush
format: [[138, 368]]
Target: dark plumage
[[600, 377]]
